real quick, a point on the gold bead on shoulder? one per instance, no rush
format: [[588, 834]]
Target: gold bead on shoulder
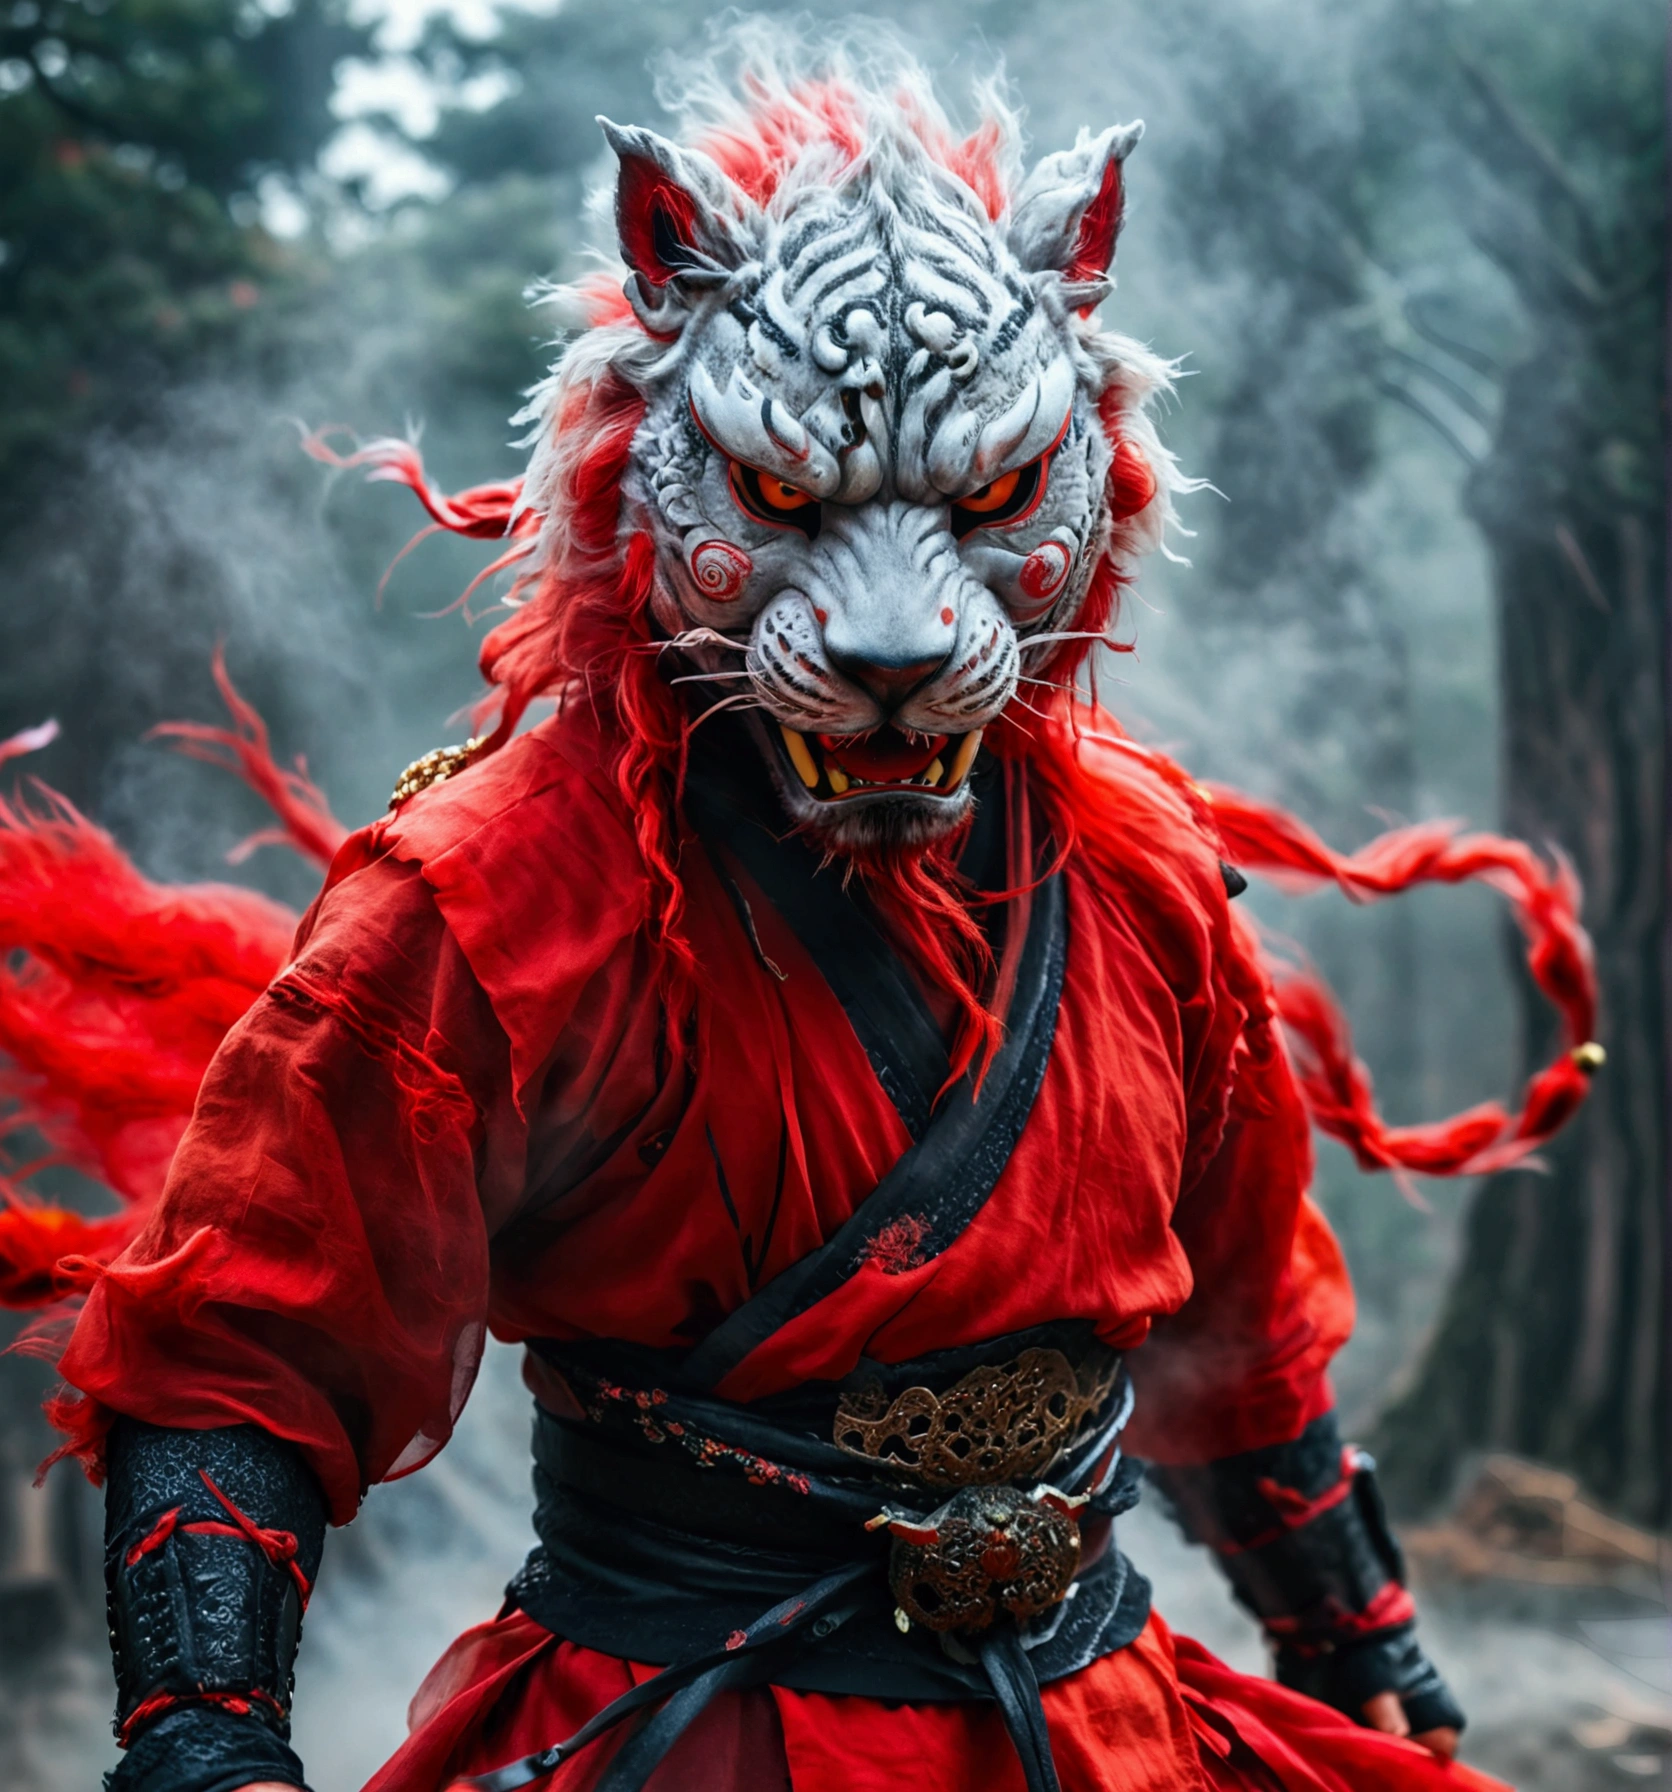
[[435, 767]]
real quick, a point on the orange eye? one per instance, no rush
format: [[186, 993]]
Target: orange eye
[[993, 496], [778, 495], [1006, 499], [770, 499]]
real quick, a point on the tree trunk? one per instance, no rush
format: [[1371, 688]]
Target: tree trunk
[[1554, 1340]]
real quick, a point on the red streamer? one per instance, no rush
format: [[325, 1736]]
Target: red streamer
[[305, 819], [483, 512], [1545, 901]]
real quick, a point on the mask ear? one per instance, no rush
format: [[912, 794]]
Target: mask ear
[[677, 215], [1068, 211]]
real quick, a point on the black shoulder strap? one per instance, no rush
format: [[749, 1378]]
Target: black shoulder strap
[[885, 1008], [942, 1182]]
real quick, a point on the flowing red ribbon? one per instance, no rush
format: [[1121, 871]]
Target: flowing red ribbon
[[1544, 897]]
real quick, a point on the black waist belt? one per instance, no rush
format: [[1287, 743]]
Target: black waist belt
[[743, 1549]]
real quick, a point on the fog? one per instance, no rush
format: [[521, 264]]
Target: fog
[[1328, 639]]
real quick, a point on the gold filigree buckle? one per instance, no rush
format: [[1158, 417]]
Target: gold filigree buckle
[[1005, 1423]]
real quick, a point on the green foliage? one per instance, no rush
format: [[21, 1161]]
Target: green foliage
[[134, 133]]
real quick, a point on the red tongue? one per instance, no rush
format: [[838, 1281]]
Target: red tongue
[[883, 757]]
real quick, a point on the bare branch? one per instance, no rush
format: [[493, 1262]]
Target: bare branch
[[1459, 394], [1520, 142], [1465, 352], [1398, 393], [1531, 259]]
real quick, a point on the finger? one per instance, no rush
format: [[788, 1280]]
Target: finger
[[1439, 1742], [1384, 1712]]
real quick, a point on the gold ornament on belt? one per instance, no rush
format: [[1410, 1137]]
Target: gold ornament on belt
[[1005, 1423], [987, 1550], [434, 767]]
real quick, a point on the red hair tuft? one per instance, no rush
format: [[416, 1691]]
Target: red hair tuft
[[781, 128]]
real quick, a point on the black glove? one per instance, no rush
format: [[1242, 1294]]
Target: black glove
[[212, 1542], [1301, 1534], [1350, 1674]]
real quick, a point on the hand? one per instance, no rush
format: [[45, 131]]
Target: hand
[[1385, 1713]]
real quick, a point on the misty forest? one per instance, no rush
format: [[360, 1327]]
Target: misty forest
[[1410, 257]]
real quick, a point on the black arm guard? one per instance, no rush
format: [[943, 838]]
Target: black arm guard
[[212, 1541], [1301, 1534]]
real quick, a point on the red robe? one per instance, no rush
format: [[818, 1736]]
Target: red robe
[[455, 1109]]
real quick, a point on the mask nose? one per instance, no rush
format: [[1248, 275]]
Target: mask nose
[[888, 683]]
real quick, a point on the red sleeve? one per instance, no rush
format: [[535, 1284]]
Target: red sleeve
[[318, 1263], [1243, 1362]]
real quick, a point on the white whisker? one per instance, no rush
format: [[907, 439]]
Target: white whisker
[[1017, 697], [1069, 634], [707, 677], [702, 637], [740, 701]]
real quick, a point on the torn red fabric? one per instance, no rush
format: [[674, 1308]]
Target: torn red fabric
[[115, 991], [115, 994], [43, 1250]]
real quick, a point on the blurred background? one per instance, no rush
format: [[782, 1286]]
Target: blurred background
[[1411, 256]]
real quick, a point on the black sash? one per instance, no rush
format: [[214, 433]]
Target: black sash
[[732, 1542]]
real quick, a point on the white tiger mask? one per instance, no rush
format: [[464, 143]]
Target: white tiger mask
[[876, 456]]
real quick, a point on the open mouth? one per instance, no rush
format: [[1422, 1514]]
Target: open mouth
[[839, 767]]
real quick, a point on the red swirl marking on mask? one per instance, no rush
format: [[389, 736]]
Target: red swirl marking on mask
[[720, 569]]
